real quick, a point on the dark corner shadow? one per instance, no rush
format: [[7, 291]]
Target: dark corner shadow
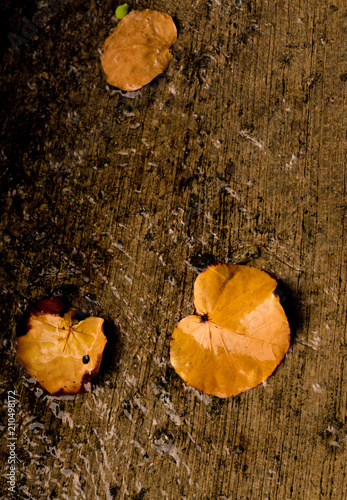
[[290, 305]]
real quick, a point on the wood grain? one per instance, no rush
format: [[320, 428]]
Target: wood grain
[[117, 200]]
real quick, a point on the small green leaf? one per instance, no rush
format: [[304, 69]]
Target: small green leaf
[[122, 10]]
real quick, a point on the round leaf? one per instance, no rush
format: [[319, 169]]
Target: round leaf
[[239, 336], [138, 49]]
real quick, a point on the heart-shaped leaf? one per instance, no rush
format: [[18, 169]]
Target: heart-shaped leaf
[[63, 354], [239, 335]]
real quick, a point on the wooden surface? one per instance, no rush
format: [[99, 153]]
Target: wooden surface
[[118, 201]]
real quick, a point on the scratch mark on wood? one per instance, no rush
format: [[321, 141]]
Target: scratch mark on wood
[[251, 138]]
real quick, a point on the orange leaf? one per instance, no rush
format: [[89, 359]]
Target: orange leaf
[[61, 353], [138, 49], [239, 336]]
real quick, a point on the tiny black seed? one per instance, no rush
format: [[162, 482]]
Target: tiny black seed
[[86, 359]]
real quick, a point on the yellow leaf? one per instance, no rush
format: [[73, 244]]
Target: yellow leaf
[[239, 336], [61, 353]]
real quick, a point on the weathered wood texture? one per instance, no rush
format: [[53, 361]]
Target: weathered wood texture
[[117, 201]]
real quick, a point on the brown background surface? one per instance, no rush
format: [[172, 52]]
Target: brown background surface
[[117, 201]]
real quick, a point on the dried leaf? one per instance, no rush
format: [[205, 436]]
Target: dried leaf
[[60, 352], [239, 336], [138, 49]]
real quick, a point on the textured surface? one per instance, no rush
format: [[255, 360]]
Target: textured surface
[[118, 201]]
